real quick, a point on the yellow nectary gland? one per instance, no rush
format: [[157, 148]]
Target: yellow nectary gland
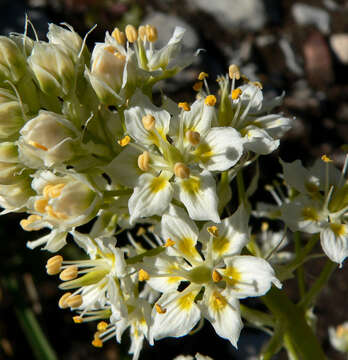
[[54, 264], [193, 137], [131, 33], [234, 72], [181, 170], [143, 161], [119, 36], [69, 273], [151, 33], [148, 122]]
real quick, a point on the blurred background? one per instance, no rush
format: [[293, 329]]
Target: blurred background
[[300, 47]]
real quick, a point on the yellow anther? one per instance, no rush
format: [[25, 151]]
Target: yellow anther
[[77, 319], [213, 230], [210, 100], [97, 342], [340, 331], [236, 93], [326, 159], [102, 325], [216, 276], [264, 226], [169, 242], [53, 191], [197, 86], [62, 301], [111, 49], [55, 214], [202, 75], [37, 145], [142, 32], [143, 275], [151, 33], [193, 137], [119, 36], [233, 71], [181, 170], [31, 219], [54, 264], [40, 205], [120, 56], [184, 105], [141, 231], [131, 33], [124, 141], [143, 161], [149, 122], [160, 309], [74, 301], [70, 273], [257, 84]]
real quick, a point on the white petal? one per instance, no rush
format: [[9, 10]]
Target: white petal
[[275, 124], [198, 194], [334, 245], [224, 314], [295, 175], [220, 149], [151, 196], [54, 241], [248, 276], [259, 141]]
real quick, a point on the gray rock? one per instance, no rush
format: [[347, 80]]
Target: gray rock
[[339, 44], [236, 14], [310, 15]]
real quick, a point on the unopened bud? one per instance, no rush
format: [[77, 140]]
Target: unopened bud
[[69, 273], [131, 33], [148, 122], [143, 161], [181, 170]]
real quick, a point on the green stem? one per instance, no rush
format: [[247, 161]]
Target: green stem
[[296, 330], [256, 317], [300, 270], [240, 186], [318, 285]]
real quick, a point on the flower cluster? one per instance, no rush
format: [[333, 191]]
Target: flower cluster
[[82, 141]]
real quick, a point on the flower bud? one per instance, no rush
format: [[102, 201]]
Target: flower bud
[[15, 196], [9, 173], [12, 61], [11, 119], [53, 68], [49, 138]]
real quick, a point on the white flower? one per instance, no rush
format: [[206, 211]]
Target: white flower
[[339, 337]]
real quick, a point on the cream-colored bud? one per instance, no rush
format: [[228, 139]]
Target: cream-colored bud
[[70, 273], [16, 195], [181, 170], [131, 33], [74, 301], [119, 36], [149, 122], [54, 265], [62, 303], [8, 152], [151, 33], [193, 137], [143, 161], [233, 71], [11, 120]]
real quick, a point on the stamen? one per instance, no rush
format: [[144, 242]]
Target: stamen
[[216, 276], [202, 75], [236, 93], [151, 33], [169, 243], [40, 205], [184, 105], [143, 275], [102, 326], [77, 319], [141, 231], [160, 309], [37, 145], [62, 301], [181, 170], [193, 137], [119, 36], [142, 32], [74, 301], [31, 219], [97, 342], [148, 122], [143, 161], [55, 214], [210, 100], [264, 226], [197, 86], [53, 191], [326, 159], [124, 141], [54, 264], [69, 273], [213, 230], [131, 33], [234, 72]]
